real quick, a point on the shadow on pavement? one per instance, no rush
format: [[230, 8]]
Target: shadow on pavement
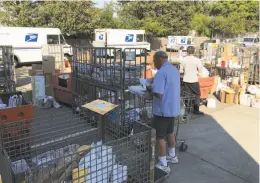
[[218, 149]]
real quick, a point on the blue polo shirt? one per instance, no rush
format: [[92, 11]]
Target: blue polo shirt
[[167, 83]]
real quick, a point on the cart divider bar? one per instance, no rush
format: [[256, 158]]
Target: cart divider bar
[[62, 138]]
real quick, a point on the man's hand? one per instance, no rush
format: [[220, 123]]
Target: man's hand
[[160, 96], [149, 88]]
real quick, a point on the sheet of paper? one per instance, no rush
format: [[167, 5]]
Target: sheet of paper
[[137, 89], [100, 106]]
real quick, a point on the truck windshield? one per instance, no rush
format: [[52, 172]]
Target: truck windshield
[[52, 39], [189, 41], [248, 39], [139, 37], [62, 39]]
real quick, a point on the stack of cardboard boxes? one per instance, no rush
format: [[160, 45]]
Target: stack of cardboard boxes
[[46, 69], [235, 90]]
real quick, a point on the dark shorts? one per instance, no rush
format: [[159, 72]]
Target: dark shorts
[[163, 126]]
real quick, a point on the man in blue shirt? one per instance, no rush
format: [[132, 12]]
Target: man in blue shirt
[[166, 106]]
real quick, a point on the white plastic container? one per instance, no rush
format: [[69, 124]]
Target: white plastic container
[[245, 99], [211, 103], [255, 103]]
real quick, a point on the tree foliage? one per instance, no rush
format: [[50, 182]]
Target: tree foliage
[[106, 18], [227, 18], [158, 18], [169, 17], [73, 17]]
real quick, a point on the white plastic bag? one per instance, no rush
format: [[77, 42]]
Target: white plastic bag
[[205, 72], [245, 99], [99, 162], [66, 151], [44, 159], [20, 166], [119, 174]]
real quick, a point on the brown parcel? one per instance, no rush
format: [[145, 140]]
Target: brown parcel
[[236, 89], [48, 64], [227, 96]]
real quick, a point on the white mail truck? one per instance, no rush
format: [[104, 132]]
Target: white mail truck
[[27, 42], [175, 42], [121, 38]]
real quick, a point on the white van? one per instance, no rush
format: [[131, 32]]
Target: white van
[[175, 42], [250, 41], [27, 42], [121, 38]]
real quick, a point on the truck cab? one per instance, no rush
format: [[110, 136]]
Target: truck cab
[[250, 41], [121, 39], [28, 42]]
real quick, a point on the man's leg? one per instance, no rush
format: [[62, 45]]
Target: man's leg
[[171, 140], [172, 158], [162, 151], [197, 103], [196, 89], [161, 128]]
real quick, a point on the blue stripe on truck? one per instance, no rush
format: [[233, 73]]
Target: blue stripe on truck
[[27, 48]]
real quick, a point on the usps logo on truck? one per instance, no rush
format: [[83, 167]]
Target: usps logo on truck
[[172, 40], [183, 41], [31, 37], [101, 37], [129, 38]]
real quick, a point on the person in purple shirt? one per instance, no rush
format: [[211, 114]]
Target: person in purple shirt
[[166, 107]]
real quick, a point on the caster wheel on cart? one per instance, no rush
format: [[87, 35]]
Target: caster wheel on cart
[[183, 147]]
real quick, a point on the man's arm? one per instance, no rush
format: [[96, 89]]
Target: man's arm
[[199, 67], [160, 96], [182, 66], [158, 85]]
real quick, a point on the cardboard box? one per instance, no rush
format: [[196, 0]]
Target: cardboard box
[[228, 48], [49, 91], [35, 73], [36, 67], [235, 80], [48, 79], [48, 85], [237, 89], [48, 64], [227, 96], [82, 173]]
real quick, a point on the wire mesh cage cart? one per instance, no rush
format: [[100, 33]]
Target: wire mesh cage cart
[[65, 148], [97, 66], [144, 104], [7, 70], [106, 73]]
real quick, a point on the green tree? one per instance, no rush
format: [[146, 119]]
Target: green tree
[[73, 17], [106, 18], [227, 18], [201, 23], [171, 17]]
